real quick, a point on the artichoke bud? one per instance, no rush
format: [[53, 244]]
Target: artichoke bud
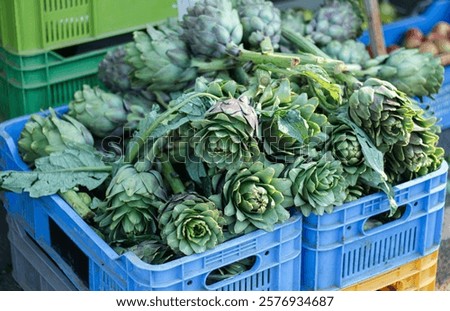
[[260, 19], [318, 185], [132, 202], [191, 223], [335, 20], [210, 27], [253, 197], [44, 135], [227, 135], [101, 112]]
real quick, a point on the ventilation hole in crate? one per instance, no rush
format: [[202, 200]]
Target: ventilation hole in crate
[[78, 49], [383, 218], [69, 252], [189, 283], [257, 282], [267, 253], [379, 252], [230, 270]]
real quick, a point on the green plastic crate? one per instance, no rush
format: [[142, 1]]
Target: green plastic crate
[[33, 26], [30, 84]]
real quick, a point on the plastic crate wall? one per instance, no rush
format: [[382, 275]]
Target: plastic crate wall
[[89, 262], [339, 252], [394, 33], [417, 275], [35, 26], [33, 270]]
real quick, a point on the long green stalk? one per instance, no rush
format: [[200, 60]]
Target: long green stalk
[[79, 206], [170, 175]]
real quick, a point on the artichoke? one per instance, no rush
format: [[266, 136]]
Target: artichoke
[[210, 26], [345, 147], [414, 73], [383, 112], [420, 156], [222, 88], [336, 20], [294, 130], [295, 21], [355, 192], [114, 72], [253, 197], [190, 224], [44, 135], [317, 185], [160, 60], [101, 112], [132, 202], [349, 51], [260, 19], [227, 136]]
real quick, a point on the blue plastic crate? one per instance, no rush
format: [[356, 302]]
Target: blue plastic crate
[[90, 263], [394, 33], [339, 252]]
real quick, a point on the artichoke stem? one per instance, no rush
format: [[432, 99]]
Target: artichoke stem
[[77, 203], [280, 60], [211, 66], [292, 60], [352, 82], [302, 43], [170, 175]]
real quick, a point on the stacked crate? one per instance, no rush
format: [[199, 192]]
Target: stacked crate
[[50, 48]]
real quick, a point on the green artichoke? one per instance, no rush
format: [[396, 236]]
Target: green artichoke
[[253, 197], [44, 135], [160, 60], [294, 130], [114, 72], [345, 147], [222, 88], [227, 136], [318, 185], [336, 20], [295, 21], [101, 112], [355, 192], [420, 156], [132, 202], [153, 252], [190, 223], [210, 26], [349, 51], [260, 19], [414, 73], [138, 104], [383, 112]]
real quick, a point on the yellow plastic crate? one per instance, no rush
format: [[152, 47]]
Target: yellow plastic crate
[[417, 275]]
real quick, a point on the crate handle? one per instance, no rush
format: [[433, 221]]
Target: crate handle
[[366, 229], [255, 266]]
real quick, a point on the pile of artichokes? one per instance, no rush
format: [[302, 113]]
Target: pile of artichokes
[[212, 130]]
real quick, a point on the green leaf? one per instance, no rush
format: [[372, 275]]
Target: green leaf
[[61, 171], [294, 125], [155, 125], [372, 178], [374, 158]]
